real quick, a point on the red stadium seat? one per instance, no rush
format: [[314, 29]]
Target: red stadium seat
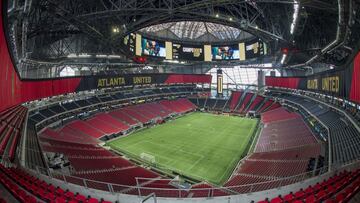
[[311, 199], [289, 197], [276, 200], [300, 194], [92, 200], [60, 200], [80, 197]]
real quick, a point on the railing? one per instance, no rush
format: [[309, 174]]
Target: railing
[[339, 111], [142, 190], [319, 120]]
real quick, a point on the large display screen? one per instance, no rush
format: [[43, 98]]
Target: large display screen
[[254, 48], [130, 42], [225, 52], [152, 48], [185, 52], [143, 46]]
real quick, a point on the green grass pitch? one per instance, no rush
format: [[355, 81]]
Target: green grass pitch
[[200, 145]]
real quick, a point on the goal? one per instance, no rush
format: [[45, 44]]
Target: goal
[[148, 158]]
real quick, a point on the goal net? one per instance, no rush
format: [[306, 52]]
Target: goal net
[[148, 158]]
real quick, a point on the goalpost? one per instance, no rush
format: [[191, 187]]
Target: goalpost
[[148, 158]]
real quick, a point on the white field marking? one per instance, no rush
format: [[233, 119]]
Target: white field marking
[[252, 129], [153, 154], [197, 161], [168, 161], [170, 164], [232, 160]]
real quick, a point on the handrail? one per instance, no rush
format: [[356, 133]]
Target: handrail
[[301, 176], [152, 195], [245, 188], [249, 187]]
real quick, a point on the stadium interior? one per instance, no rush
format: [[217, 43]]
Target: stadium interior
[[179, 101]]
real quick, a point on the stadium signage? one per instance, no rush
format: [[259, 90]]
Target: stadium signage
[[119, 81], [142, 80], [110, 82], [331, 84], [343, 82], [312, 84]]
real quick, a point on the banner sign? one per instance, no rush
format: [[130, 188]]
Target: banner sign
[[330, 83], [219, 82], [108, 81]]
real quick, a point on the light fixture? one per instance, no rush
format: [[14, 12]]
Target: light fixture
[[295, 17], [283, 58], [217, 15], [230, 18], [116, 30]]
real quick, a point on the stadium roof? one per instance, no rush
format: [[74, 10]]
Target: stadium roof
[[44, 33], [196, 31]]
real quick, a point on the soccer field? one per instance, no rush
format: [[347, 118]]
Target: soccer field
[[199, 145]]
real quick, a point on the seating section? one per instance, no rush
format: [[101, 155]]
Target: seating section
[[245, 103], [274, 168], [109, 96], [29, 189], [282, 152], [234, 100], [92, 163], [337, 189], [239, 102], [11, 126], [125, 176], [73, 149], [344, 136], [103, 126], [285, 134], [68, 134], [278, 115], [124, 117], [298, 153], [179, 106], [132, 112], [86, 128], [98, 164], [118, 124], [265, 106], [279, 154], [255, 104]]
